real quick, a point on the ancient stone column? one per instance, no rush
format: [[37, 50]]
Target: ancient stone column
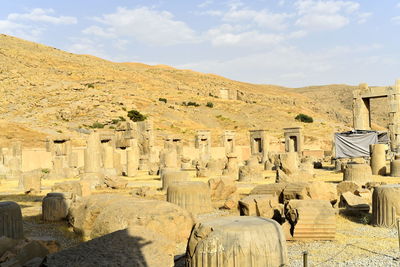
[[170, 177], [32, 181], [92, 155], [359, 173], [11, 220], [361, 115], [386, 205], [378, 159], [117, 163], [395, 167], [195, 197], [108, 157], [132, 157], [237, 241], [55, 206]]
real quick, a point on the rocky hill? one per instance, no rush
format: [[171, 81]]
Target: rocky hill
[[46, 91]]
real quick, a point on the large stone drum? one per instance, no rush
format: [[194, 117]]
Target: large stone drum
[[386, 205], [11, 220], [237, 241], [358, 173]]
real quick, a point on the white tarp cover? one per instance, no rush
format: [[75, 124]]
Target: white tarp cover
[[354, 144]]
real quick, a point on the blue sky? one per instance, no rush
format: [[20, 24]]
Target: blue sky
[[285, 42]]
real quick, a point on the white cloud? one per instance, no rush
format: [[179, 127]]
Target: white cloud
[[262, 18], [228, 35], [88, 47], [42, 15], [396, 20], [98, 31], [146, 25], [27, 32], [328, 15], [205, 4]]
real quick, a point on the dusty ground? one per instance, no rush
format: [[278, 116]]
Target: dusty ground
[[356, 243]]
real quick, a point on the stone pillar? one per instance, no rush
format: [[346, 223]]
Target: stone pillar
[[229, 142], [132, 157], [203, 143], [394, 116], [361, 112], [108, 156], [92, 157], [378, 159], [259, 144]]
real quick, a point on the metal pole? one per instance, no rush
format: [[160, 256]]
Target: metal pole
[[305, 259]]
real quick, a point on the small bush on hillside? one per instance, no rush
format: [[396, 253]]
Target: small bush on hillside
[[135, 115], [304, 118], [190, 103], [163, 100], [210, 104], [97, 125]]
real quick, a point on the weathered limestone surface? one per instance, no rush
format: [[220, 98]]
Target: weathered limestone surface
[[354, 203], [195, 197], [346, 186], [31, 181], [251, 172], [378, 159], [97, 215], [134, 246], [266, 206], [78, 188], [395, 167], [237, 241], [268, 189], [311, 220], [359, 173], [11, 220], [170, 177], [386, 205], [55, 206], [222, 188]]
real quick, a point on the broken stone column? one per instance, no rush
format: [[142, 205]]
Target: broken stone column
[[311, 219], [11, 220], [237, 241], [168, 158], [55, 206], [386, 205], [132, 156], [170, 177], [266, 206], [13, 161], [203, 143], [108, 156], [232, 166], [92, 157], [31, 181], [361, 114], [251, 172], [359, 173], [395, 166], [195, 197], [378, 159]]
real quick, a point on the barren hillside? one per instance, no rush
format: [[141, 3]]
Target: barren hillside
[[46, 91], [340, 96]]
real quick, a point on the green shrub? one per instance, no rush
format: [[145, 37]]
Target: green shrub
[[97, 125], [122, 118], [115, 121], [163, 100], [190, 103], [210, 104], [304, 118], [135, 115], [90, 85]]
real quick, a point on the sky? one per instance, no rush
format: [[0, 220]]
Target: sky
[[291, 43]]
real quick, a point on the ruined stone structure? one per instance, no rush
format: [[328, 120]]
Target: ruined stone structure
[[194, 197], [12, 161], [362, 112], [237, 241], [132, 158], [378, 159], [170, 177], [228, 141], [11, 220], [55, 206], [311, 220], [203, 143], [294, 139], [259, 144], [145, 137], [359, 173], [64, 161], [228, 94], [395, 166], [386, 205]]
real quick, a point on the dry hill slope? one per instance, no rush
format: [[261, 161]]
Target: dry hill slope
[[46, 91]]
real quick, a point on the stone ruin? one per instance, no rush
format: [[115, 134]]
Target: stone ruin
[[11, 161], [237, 241], [294, 139], [203, 144], [259, 144]]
